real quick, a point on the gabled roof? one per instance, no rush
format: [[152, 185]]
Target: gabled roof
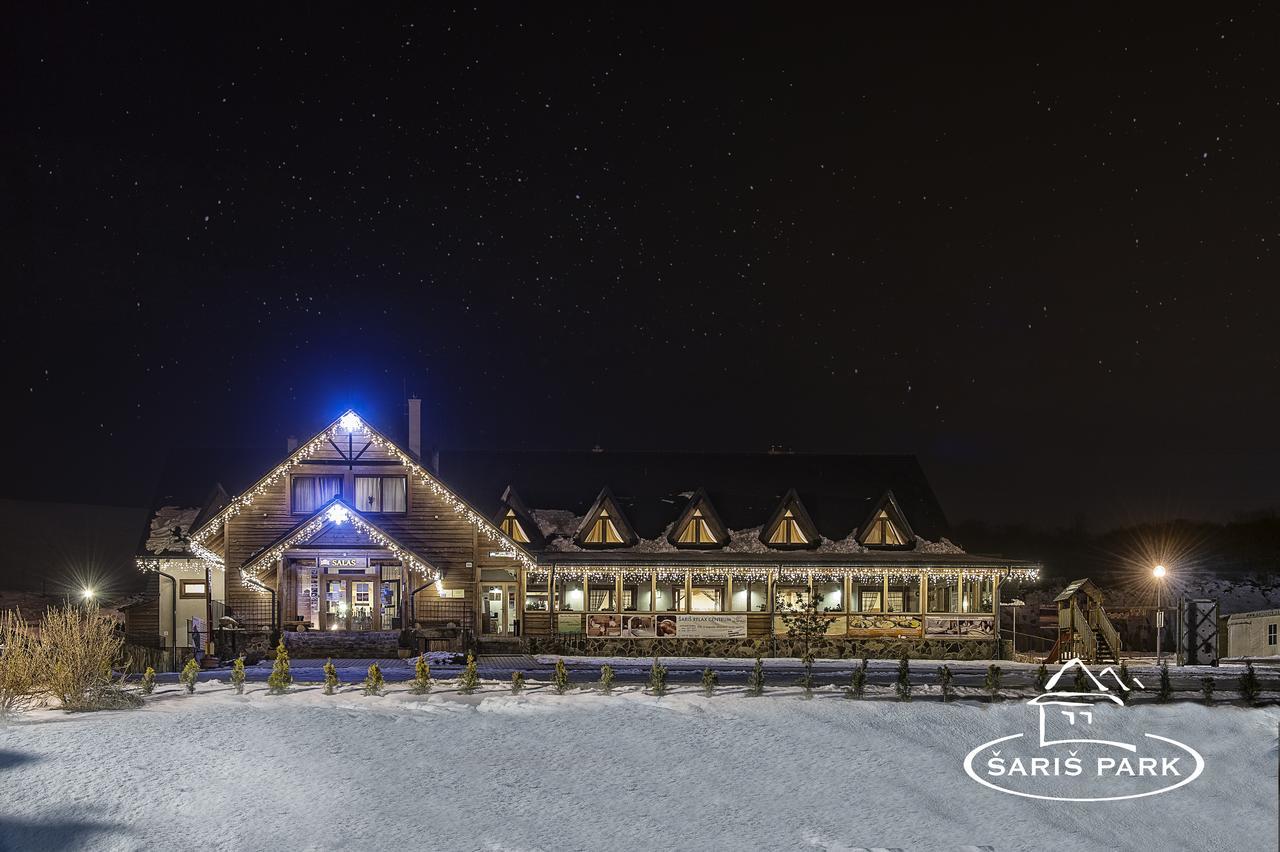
[[511, 502], [792, 503], [1082, 585], [331, 514], [890, 507], [606, 502], [699, 502]]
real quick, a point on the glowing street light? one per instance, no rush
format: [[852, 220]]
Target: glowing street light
[[1159, 573], [88, 594]]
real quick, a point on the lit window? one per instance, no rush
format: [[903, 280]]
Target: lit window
[[603, 530], [883, 531], [697, 531], [312, 492], [194, 589], [788, 531], [750, 594], [1271, 634], [707, 595], [511, 526], [380, 493]]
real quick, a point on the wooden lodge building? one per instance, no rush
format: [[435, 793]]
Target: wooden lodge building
[[352, 544]]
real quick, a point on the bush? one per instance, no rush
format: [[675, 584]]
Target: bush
[[991, 683], [20, 664], [470, 678], [1166, 688], [330, 678], [1249, 686], [190, 674], [237, 675], [561, 677], [77, 647], [280, 679], [1080, 683], [755, 680], [517, 683], [606, 679], [903, 685], [658, 678], [944, 680], [1206, 689], [1130, 691], [148, 684], [709, 682], [373, 683], [1042, 677], [421, 683]]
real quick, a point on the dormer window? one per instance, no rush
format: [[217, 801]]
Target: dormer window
[[697, 531], [512, 527], [603, 530], [883, 531], [788, 530]]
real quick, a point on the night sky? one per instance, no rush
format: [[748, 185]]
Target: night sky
[[1039, 252]]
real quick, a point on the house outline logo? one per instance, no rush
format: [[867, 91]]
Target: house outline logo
[[1077, 710]]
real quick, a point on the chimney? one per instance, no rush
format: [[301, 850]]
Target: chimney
[[415, 427], [292, 443]]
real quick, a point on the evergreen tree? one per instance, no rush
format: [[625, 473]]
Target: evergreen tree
[[190, 672], [1130, 693], [657, 677], [1206, 689], [606, 679], [517, 683], [561, 676], [330, 678], [1166, 688], [1249, 685], [1042, 677], [755, 680], [280, 679], [237, 674], [373, 682], [857, 681], [944, 680], [1080, 683], [992, 681], [470, 678], [903, 684], [806, 623], [149, 681], [421, 683], [709, 681]]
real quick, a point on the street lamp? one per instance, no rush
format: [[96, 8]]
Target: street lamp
[[1158, 572], [1014, 604], [88, 594]]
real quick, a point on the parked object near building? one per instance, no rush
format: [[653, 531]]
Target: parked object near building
[[1253, 634], [349, 539]]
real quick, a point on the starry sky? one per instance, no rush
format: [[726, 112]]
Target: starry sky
[[1035, 247]]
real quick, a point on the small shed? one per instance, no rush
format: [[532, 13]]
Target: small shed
[[1084, 630], [1253, 634]]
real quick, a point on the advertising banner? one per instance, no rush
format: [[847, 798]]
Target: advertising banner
[[697, 626]]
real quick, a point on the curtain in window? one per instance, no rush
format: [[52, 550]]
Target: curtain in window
[[312, 492], [393, 496], [368, 494]]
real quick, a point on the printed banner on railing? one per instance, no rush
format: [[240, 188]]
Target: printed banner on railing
[[711, 627]]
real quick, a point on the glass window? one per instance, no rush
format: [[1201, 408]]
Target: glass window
[[512, 527], [193, 589], [943, 596], [883, 531], [865, 595], [535, 593], [312, 492], [669, 597], [968, 594], [1271, 634], [380, 493], [569, 596], [600, 594], [788, 531], [707, 595], [750, 595], [603, 530], [792, 596], [637, 594], [830, 594], [904, 596], [697, 531]]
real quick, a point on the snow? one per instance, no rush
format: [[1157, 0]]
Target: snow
[[493, 771]]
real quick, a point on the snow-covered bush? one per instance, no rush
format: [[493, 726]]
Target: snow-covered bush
[[280, 678], [330, 678], [903, 685], [421, 683], [561, 676], [709, 681], [991, 683], [20, 664], [657, 678], [470, 678], [77, 648], [755, 680], [517, 683], [190, 674], [857, 681], [148, 684], [373, 683], [944, 680], [237, 675], [606, 679]]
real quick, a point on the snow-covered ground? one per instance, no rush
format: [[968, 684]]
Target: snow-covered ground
[[493, 771]]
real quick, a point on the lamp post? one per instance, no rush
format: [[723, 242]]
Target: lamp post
[[87, 595], [1158, 572], [1015, 603]]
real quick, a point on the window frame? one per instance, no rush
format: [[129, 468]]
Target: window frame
[[184, 594], [293, 502], [1272, 631], [382, 494]]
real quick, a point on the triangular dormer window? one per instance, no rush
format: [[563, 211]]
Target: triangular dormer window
[[697, 531], [887, 526], [883, 531], [787, 530], [513, 528], [603, 530]]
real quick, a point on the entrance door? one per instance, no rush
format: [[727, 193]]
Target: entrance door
[[362, 602], [499, 609], [350, 603]]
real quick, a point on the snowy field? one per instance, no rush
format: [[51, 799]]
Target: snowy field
[[492, 771]]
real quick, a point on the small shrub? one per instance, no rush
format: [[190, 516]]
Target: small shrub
[[421, 683], [1206, 689], [658, 678], [1042, 677], [857, 681], [561, 677], [76, 648], [190, 673], [373, 683], [330, 678], [280, 679], [20, 664], [148, 684], [755, 680], [237, 675], [1130, 692], [1249, 685], [606, 679], [903, 685], [944, 680], [1080, 683], [992, 681], [1166, 687], [709, 682], [470, 678], [517, 683]]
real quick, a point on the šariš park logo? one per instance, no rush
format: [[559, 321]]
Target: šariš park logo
[[1087, 749]]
